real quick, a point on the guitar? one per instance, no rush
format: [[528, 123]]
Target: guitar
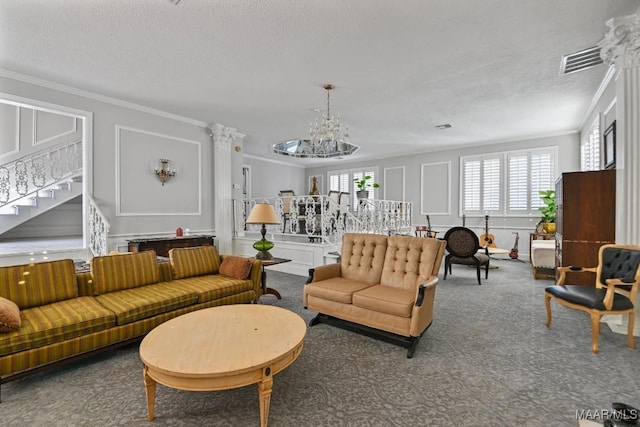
[[514, 251], [487, 238], [430, 232]]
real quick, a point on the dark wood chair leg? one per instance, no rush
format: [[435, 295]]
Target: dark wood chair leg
[[478, 273]]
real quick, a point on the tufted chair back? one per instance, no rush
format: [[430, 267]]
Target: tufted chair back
[[411, 261], [618, 263], [363, 256]]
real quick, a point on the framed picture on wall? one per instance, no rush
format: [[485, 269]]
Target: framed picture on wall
[[610, 146], [315, 185]]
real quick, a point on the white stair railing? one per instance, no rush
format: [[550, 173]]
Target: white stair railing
[[98, 228], [30, 174]]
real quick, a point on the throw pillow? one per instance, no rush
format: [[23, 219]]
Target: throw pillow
[[9, 315], [235, 266]]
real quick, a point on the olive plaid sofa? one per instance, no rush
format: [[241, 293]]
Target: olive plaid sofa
[[65, 315]]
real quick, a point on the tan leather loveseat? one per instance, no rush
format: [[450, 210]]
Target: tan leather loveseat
[[383, 286]]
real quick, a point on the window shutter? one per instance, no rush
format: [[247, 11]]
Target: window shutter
[[491, 180], [518, 183], [471, 183]]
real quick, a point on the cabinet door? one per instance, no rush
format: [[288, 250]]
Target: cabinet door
[[583, 254]]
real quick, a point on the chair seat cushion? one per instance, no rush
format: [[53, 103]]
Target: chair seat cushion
[[214, 286], [386, 299], [56, 322], [139, 303], [336, 289], [482, 259], [587, 296]]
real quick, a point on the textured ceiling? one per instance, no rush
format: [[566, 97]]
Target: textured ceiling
[[490, 68]]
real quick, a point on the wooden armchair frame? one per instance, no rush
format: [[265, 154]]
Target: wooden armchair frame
[[608, 296]]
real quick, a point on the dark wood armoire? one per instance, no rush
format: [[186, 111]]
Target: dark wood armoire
[[585, 220]]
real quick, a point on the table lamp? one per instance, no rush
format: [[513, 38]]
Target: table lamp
[[263, 213]]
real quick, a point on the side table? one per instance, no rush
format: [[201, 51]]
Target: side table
[[263, 280]]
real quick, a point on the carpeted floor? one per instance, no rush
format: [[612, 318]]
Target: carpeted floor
[[487, 360]]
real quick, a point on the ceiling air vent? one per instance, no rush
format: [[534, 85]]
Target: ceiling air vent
[[579, 61], [443, 126]]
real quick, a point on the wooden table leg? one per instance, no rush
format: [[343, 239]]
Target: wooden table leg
[[265, 289], [264, 392], [150, 389]]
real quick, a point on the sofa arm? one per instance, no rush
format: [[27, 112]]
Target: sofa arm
[[256, 276], [422, 313], [324, 272]]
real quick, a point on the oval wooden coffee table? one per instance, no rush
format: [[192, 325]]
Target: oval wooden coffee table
[[221, 348]]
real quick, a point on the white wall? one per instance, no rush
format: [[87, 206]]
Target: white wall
[[268, 177], [501, 227], [129, 179]]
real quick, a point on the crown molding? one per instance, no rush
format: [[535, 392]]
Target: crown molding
[[97, 97], [279, 162]]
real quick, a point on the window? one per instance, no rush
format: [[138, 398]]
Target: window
[[481, 184], [590, 148], [339, 181], [506, 183], [343, 181]]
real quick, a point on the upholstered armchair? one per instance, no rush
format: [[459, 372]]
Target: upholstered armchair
[[462, 247], [616, 285]]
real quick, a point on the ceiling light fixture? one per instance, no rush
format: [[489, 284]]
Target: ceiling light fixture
[[326, 138]]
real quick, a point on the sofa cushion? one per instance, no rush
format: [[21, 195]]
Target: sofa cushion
[[237, 267], [336, 289], [214, 286], [35, 284], [194, 261], [409, 261], [55, 322], [386, 299], [139, 303], [9, 315], [362, 257], [118, 272]]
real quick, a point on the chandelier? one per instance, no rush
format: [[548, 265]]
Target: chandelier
[[326, 138]]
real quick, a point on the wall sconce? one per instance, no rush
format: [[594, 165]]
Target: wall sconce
[[165, 170]]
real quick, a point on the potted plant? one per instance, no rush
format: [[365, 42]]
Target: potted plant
[[364, 185], [548, 211]]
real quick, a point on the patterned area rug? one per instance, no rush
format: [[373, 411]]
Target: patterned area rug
[[487, 360]]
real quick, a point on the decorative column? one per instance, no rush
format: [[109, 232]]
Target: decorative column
[[621, 48], [223, 137]]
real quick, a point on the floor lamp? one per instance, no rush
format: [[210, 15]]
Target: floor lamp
[[263, 213]]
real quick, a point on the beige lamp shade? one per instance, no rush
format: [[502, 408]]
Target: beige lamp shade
[[263, 213]]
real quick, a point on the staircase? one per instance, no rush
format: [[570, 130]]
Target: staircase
[[38, 182], [39, 202]]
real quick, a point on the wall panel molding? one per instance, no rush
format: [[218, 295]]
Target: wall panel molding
[[15, 131], [138, 190], [435, 188], [394, 183]]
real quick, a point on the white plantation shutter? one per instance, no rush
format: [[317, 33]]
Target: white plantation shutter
[[542, 177], [486, 184], [482, 179], [590, 148], [344, 181], [339, 181], [471, 186], [518, 183], [491, 180]]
